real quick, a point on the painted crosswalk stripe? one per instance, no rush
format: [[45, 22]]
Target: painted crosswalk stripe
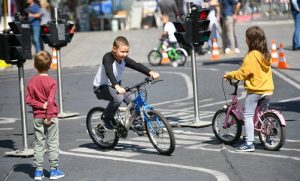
[[105, 152], [6, 129]]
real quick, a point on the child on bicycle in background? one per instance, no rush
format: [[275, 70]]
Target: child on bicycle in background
[[107, 82], [168, 36], [256, 72], [40, 95]]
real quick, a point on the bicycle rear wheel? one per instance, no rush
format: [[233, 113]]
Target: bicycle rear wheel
[[273, 134], [229, 134], [160, 133], [101, 136], [181, 57], [154, 57]]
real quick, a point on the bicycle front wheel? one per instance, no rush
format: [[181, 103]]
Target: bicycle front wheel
[[227, 132], [160, 133], [104, 138], [273, 134], [181, 59], [154, 57]]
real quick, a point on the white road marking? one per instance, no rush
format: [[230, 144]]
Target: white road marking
[[287, 79], [101, 152], [288, 100], [6, 129], [179, 104], [220, 176], [146, 139], [4, 120]]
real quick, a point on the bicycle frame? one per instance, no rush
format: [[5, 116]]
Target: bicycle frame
[[141, 106], [236, 108], [172, 54]]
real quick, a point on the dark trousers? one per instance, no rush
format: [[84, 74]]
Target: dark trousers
[[108, 93]]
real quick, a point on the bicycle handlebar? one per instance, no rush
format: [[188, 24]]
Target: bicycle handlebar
[[234, 83], [147, 80]]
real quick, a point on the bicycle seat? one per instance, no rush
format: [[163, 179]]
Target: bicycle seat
[[264, 100]]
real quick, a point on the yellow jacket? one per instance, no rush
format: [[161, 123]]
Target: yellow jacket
[[256, 72]]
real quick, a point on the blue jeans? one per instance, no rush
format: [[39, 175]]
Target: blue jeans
[[36, 37], [296, 36]]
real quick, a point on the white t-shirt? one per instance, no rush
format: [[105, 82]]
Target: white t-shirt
[[101, 78], [170, 29]]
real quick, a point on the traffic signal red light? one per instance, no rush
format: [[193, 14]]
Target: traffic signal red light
[[57, 35], [200, 25]]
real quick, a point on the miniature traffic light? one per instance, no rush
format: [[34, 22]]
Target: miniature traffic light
[[16, 42], [57, 35], [200, 25], [183, 32]]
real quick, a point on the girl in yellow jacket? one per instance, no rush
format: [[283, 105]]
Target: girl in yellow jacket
[[256, 72]]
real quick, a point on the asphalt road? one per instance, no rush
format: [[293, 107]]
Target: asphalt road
[[198, 155]]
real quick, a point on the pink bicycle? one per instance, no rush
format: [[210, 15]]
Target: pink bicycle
[[269, 123]]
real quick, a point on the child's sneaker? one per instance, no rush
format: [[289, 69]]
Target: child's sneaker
[[38, 175], [56, 174], [245, 148]]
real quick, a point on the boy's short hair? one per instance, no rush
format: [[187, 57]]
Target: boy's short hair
[[120, 40], [42, 61]]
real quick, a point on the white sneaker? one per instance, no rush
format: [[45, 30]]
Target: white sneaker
[[237, 50], [227, 50]]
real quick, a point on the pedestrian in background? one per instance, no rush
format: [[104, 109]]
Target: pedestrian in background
[[34, 18], [40, 95], [107, 81], [169, 7], [168, 31], [45, 12], [214, 18], [295, 8], [228, 10], [256, 71]]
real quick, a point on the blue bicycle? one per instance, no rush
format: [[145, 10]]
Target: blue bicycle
[[155, 124]]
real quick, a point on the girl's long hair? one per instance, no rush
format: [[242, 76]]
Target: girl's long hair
[[256, 40]]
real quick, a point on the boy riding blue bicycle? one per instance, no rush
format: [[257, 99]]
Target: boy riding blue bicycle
[[107, 82]]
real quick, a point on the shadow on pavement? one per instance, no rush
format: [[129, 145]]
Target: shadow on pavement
[[121, 147], [25, 168], [236, 60], [7, 144], [291, 106]]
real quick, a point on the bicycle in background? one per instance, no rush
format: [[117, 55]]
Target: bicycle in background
[[156, 125], [268, 122], [177, 56]]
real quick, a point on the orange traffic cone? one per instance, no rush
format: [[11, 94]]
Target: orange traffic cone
[[165, 59], [54, 59], [274, 53], [282, 61], [215, 50]]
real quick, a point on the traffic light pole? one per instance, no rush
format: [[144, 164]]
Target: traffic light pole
[[25, 152], [196, 123], [61, 113]]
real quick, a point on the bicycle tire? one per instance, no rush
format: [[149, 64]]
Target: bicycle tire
[[154, 57], [104, 138], [161, 133], [229, 135], [181, 57], [275, 135]]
